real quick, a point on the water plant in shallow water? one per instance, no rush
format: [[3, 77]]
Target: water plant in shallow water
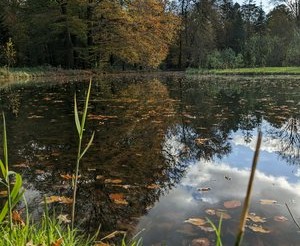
[[14, 190], [80, 153]]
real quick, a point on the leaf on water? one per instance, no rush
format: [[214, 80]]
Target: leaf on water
[[279, 218], [153, 186], [267, 202], [99, 177], [58, 242], [258, 228], [118, 198], [59, 199], [196, 221], [201, 141], [223, 214], [204, 189], [206, 228], [255, 218], [63, 218], [35, 117], [69, 176], [210, 211], [200, 242], [113, 181], [16, 218], [232, 204], [21, 165]]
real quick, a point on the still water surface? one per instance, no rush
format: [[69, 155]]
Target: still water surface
[[166, 149]]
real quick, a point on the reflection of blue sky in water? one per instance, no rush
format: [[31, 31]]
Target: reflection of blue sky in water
[[274, 180]]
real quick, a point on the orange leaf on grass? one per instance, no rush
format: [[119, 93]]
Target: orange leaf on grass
[[58, 242]]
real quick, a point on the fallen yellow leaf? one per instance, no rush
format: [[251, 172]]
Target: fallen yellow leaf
[[267, 202], [255, 218], [258, 228], [118, 198], [60, 199]]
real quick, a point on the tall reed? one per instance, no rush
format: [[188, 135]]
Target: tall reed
[[15, 194], [248, 194], [80, 130]]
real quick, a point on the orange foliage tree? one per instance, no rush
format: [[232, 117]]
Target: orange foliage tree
[[137, 32]]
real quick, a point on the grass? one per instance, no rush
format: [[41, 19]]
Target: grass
[[248, 71], [26, 73], [48, 232]]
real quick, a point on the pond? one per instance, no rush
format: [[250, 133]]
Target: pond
[[169, 151]]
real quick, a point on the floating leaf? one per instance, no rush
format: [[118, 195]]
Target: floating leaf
[[113, 181], [280, 218], [58, 242], [210, 211], [223, 214], [60, 199], [258, 228], [206, 228], [153, 186], [196, 221], [267, 202], [200, 242], [118, 198], [201, 141], [232, 204], [204, 189], [255, 218]]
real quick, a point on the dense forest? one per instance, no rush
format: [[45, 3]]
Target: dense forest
[[145, 34]]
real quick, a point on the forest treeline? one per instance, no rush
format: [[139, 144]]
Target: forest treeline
[[144, 34]]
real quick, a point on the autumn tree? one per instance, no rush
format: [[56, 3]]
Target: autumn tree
[[136, 32]]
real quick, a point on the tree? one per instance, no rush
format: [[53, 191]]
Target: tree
[[139, 32]]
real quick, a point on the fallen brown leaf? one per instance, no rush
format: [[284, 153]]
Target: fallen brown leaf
[[258, 228], [196, 221], [58, 242], [60, 199], [232, 204], [113, 181], [255, 218], [16, 218]]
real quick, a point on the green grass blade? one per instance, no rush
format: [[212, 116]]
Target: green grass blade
[[86, 103], [4, 211], [3, 170], [88, 145], [77, 122], [5, 151]]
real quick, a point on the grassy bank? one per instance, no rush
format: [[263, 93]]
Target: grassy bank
[[248, 71], [37, 72]]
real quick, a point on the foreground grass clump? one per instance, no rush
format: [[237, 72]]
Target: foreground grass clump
[[249, 71], [48, 232]]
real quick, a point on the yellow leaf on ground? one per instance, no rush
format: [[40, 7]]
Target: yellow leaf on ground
[[267, 202], [118, 198], [58, 242], [255, 218], [196, 221], [16, 218], [60, 199], [258, 228]]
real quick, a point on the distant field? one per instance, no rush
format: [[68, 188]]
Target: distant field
[[248, 71]]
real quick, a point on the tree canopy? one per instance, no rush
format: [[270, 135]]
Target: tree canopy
[[148, 33]]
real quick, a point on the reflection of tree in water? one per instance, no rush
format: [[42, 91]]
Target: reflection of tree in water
[[289, 139]]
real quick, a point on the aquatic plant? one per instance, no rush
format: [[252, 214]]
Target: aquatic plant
[[80, 130], [14, 191]]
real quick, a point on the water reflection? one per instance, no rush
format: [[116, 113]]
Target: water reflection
[[159, 139]]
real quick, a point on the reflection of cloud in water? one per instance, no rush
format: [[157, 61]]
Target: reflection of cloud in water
[[186, 201], [268, 144]]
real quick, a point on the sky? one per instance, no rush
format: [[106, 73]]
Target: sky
[[267, 5]]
